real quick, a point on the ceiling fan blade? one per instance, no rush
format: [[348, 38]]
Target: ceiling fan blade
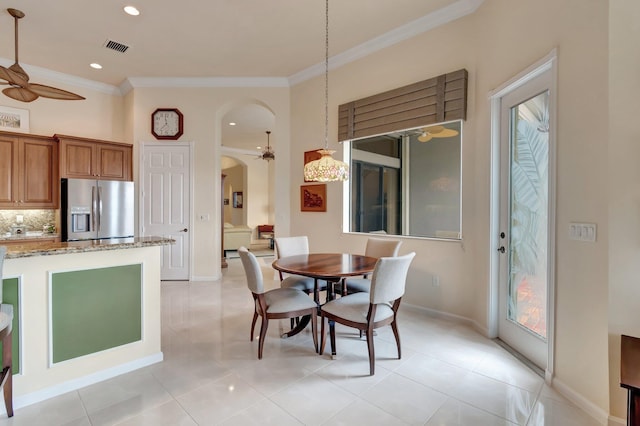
[[52, 92], [20, 94], [12, 77], [445, 133]]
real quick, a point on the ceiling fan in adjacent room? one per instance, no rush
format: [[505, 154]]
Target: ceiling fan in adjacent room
[[267, 153], [18, 79], [431, 132]]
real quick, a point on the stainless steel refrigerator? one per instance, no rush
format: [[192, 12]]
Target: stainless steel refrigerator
[[96, 209]]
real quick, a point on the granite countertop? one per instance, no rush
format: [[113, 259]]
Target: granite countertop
[[29, 235], [48, 248]]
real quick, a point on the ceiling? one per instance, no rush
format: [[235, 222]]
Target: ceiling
[[195, 38]]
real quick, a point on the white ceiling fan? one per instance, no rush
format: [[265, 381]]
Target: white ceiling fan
[[18, 79]]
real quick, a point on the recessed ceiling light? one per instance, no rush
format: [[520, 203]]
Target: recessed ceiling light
[[131, 10], [232, 124], [96, 66]]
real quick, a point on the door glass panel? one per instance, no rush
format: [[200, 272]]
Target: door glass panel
[[529, 159]]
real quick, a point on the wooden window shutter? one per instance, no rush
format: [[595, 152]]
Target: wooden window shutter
[[435, 100]]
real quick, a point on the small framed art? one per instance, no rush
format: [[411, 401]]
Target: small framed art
[[310, 156], [313, 198], [14, 119], [237, 200]]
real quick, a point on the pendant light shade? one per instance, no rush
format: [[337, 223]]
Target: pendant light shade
[[327, 168]]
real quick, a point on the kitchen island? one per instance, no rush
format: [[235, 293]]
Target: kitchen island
[[84, 312]]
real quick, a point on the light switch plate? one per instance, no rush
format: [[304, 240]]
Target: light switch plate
[[582, 231]]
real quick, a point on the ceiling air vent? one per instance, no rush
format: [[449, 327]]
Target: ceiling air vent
[[114, 45]]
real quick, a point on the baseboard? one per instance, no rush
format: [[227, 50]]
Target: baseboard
[[584, 404], [206, 278], [451, 317], [75, 384], [617, 421]]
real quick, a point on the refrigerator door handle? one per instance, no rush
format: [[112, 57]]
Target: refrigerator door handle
[[99, 207], [93, 208]]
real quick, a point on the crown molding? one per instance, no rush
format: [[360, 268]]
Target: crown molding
[[426, 23], [37, 73], [137, 82], [231, 151]]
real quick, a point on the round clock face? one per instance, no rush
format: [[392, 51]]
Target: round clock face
[[166, 123]]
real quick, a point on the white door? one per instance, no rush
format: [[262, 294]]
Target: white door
[[166, 205], [525, 240]]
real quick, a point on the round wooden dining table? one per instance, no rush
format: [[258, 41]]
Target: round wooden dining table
[[331, 267]]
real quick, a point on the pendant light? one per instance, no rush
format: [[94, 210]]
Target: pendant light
[[268, 153], [326, 169]]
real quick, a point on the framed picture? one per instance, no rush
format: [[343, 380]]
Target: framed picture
[[313, 198], [310, 156], [14, 119], [237, 200], [226, 201]]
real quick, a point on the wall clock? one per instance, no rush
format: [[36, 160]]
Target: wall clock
[[167, 123]]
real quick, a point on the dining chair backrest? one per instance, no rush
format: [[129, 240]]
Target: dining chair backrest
[[251, 270], [3, 252], [291, 246], [389, 278], [379, 247]]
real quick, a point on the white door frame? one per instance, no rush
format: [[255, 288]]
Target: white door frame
[[141, 175], [549, 62]]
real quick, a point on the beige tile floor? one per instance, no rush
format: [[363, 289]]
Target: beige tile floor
[[448, 375]]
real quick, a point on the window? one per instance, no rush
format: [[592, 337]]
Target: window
[[408, 182]]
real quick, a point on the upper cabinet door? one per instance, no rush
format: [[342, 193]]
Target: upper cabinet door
[[93, 159], [28, 172]]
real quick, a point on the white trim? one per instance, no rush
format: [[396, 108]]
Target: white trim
[[426, 23], [583, 403], [206, 278], [226, 150], [136, 82], [549, 63], [90, 379]]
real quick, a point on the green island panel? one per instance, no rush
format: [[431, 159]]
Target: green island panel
[[95, 309], [11, 296]]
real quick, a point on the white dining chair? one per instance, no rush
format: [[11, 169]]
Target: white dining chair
[[369, 311], [277, 303], [376, 247], [292, 246]]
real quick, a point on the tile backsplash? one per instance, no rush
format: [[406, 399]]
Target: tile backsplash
[[33, 220]]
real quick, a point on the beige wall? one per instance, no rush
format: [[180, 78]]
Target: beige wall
[[203, 109], [500, 40], [624, 187]]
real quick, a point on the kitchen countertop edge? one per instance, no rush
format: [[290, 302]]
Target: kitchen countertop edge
[[52, 248]]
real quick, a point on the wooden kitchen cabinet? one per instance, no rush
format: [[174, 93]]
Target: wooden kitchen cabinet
[[94, 159], [28, 171]]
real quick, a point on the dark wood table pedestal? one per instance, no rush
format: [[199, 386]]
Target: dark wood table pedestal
[[630, 377]]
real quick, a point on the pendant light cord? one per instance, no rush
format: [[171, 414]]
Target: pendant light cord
[[326, 77]]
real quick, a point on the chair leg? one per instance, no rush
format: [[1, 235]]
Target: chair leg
[[332, 335], [314, 329], [263, 334], [253, 323], [394, 327], [372, 355], [323, 335], [7, 373]]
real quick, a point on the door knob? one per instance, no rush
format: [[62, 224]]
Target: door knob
[[501, 249], [184, 230]]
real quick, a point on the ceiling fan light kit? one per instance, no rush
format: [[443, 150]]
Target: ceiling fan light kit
[[327, 168], [268, 154], [16, 77]]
